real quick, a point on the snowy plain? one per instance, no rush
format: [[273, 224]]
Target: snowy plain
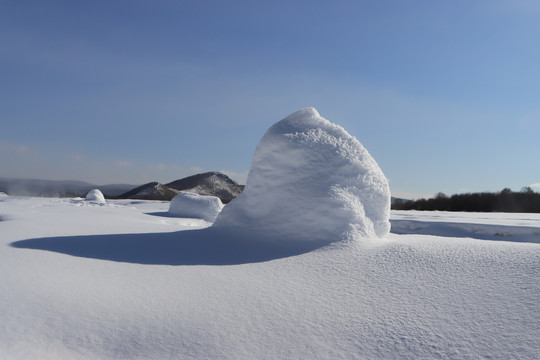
[[79, 281], [301, 265]]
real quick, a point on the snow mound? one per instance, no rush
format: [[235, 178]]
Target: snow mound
[[192, 205], [310, 180], [95, 196]]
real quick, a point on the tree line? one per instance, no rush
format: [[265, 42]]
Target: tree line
[[506, 200]]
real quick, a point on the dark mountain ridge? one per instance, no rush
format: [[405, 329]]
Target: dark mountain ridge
[[150, 191], [209, 183]]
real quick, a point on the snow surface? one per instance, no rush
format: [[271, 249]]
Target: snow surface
[[95, 196], [489, 226], [127, 281], [190, 205], [310, 181]]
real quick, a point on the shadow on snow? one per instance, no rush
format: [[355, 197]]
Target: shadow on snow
[[189, 247]]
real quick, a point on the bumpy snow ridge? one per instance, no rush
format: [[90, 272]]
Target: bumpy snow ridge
[[310, 180], [95, 196], [192, 205]]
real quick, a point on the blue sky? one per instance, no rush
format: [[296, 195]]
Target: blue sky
[[444, 95]]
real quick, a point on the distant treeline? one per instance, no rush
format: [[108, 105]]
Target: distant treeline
[[507, 200]]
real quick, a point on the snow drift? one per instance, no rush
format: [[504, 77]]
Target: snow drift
[[310, 181], [191, 205], [95, 196]]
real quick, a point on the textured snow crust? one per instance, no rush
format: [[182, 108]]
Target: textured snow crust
[[95, 282], [191, 205], [95, 196], [310, 181]]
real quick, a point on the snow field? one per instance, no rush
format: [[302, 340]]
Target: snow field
[[300, 265], [405, 296]]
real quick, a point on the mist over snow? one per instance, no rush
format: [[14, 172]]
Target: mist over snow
[[310, 181]]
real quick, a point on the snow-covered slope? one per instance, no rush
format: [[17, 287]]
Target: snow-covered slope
[[83, 281], [310, 181]]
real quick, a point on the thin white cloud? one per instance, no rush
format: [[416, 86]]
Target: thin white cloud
[[7, 147], [76, 158], [157, 167], [123, 164], [535, 185]]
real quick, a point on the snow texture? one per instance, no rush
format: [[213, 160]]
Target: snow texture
[[95, 196], [191, 205], [310, 181], [125, 281]]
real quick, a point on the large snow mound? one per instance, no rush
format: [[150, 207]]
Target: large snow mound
[[310, 180], [95, 196], [191, 205]]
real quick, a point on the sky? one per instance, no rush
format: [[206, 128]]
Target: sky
[[444, 95]]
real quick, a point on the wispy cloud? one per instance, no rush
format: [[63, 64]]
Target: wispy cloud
[[535, 185], [76, 158], [7, 147], [123, 164]]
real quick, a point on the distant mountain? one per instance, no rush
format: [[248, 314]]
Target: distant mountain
[[37, 187], [151, 191], [209, 183]]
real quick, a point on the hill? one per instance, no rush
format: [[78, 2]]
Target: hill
[[150, 191], [209, 183]]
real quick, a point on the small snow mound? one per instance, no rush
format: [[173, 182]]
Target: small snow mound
[[310, 180], [95, 196], [3, 194], [191, 205]]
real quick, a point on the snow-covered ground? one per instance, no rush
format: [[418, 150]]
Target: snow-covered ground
[[301, 265], [125, 280]]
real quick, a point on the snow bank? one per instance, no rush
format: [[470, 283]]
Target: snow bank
[[191, 205], [95, 196], [310, 180]]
